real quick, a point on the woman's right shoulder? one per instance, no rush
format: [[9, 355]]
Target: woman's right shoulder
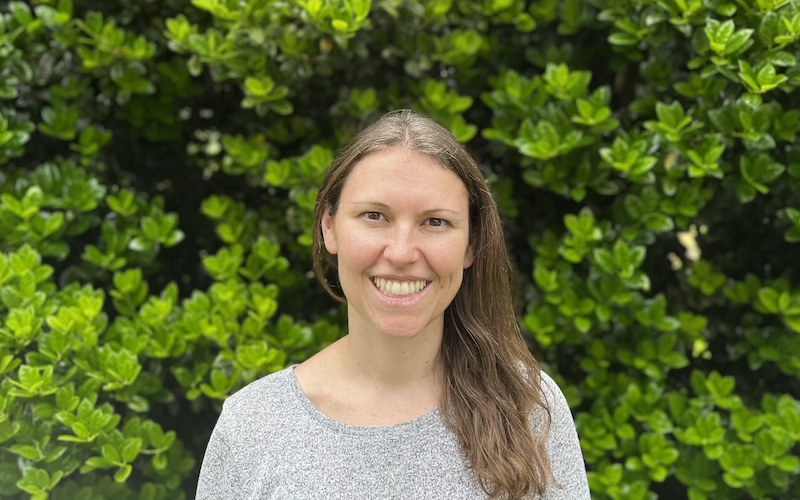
[[260, 400]]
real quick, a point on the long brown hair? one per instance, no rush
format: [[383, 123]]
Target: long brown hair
[[493, 384]]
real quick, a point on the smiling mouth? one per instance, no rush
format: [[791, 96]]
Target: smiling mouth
[[393, 288]]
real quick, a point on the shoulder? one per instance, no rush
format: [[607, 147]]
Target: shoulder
[[553, 396], [563, 445], [553, 410], [555, 402], [242, 441], [278, 382], [270, 397]]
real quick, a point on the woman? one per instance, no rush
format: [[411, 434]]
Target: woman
[[432, 394]]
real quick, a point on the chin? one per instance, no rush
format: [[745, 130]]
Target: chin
[[402, 331]]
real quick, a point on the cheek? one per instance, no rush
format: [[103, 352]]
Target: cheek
[[358, 253], [448, 260]]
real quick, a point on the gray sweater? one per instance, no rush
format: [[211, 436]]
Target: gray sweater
[[270, 442]]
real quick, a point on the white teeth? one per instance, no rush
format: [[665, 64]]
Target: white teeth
[[397, 288]]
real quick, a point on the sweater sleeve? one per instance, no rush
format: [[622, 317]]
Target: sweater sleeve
[[565, 449], [219, 473]]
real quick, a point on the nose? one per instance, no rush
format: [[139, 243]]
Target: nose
[[401, 246]]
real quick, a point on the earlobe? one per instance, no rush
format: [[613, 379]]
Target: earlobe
[[329, 233]]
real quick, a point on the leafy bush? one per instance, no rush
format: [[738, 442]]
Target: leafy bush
[[158, 171]]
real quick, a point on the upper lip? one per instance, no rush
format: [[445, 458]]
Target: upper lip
[[399, 278]]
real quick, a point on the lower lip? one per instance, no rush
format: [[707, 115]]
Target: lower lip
[[405, 301]]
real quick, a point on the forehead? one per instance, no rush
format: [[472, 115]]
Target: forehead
[[397, 169]]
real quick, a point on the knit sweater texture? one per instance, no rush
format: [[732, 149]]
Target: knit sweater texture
[[271, 442]]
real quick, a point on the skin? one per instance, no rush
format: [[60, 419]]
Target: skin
[[401, 216]]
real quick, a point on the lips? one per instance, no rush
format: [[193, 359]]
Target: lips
[[399, 288]]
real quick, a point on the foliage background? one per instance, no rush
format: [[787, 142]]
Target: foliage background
[[158, 167]]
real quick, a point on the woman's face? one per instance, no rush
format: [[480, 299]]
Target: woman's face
[[401, 239]]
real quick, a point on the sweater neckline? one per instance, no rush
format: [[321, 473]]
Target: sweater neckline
[[423, 422]]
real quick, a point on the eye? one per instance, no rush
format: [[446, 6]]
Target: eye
[[373, 215], [435, 222]]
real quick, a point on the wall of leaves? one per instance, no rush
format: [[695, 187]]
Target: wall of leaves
[[158, 170]]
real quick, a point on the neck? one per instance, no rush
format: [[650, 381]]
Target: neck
[[393, 363]]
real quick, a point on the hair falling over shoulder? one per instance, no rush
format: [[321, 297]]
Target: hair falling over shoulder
[[494, 389], [493, 385]]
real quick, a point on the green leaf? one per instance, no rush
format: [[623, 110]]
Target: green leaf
[[623, 39], [789, 463], [739, 41], [26, 451], [123, 473], [340, 25], [582, 324], [34, 481], [760, 170], [671, 115], [605, 260], [752, 100], [111, 454], [719, 34], [93, 463], [131, 450], [792, 322], [21, 12], [660, 223]]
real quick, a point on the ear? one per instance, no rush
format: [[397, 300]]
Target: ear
[[469, 257], [329, 233]]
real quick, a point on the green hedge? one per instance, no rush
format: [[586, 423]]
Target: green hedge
[[158, 170]]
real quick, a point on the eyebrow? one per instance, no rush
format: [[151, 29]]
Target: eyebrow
[[431, 211]]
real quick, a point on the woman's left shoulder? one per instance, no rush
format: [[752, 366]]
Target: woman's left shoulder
[[564, 446], [554, 408], [552, 393], [552, 397]]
